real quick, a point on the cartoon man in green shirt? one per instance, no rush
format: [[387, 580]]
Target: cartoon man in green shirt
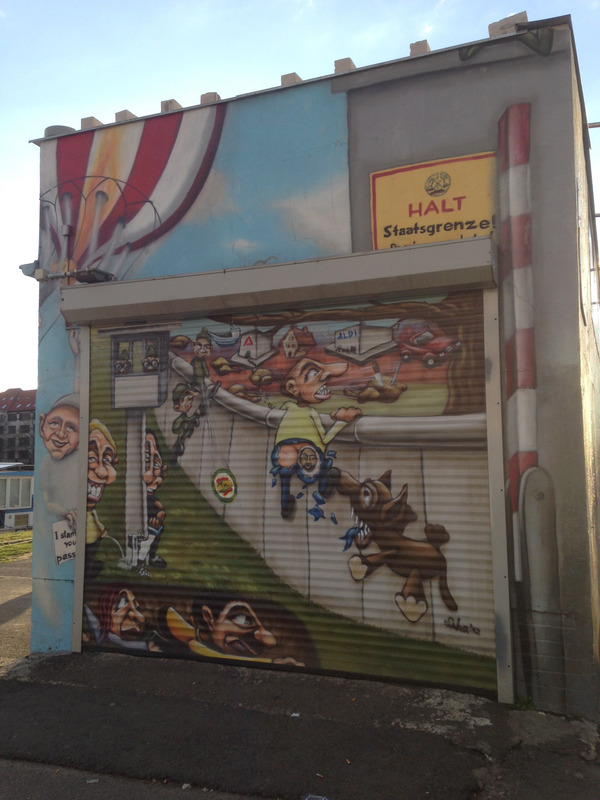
[[301, 439]]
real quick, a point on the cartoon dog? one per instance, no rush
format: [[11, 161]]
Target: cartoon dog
[[381, 518]]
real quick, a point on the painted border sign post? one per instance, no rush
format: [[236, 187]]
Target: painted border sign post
[[433, 201]]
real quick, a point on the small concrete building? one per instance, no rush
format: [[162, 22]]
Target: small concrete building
[[425, 511]]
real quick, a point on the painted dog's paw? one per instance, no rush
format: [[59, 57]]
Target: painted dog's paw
[[412, 609], [358, 569]]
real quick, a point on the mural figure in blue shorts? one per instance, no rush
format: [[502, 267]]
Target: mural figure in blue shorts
[[301, 439]]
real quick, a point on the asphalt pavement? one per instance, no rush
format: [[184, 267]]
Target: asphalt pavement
[[15, 609], [106, 725]]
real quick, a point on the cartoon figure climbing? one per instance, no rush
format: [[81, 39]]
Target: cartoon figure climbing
[[301, 439], [381, 518], [193, 395], [153, 476], [188, 402], [202, 348], [102, 471]]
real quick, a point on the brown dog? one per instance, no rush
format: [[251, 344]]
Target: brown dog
[[381, 518]]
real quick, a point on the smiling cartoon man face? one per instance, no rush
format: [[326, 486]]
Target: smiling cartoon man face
[[154, 469], [102, 462], [59, 429], [202, 346]]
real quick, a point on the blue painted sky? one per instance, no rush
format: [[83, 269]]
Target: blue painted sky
[[301, 141], [67, 60]]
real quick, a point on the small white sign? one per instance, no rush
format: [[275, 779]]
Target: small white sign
[[64, 541]]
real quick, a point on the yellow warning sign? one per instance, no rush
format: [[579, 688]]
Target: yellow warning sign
[[451, 198]]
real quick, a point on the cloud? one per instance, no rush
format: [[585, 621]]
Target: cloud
[[322, 216], [245, 245]]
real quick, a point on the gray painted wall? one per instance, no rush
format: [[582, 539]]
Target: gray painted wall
[[437, 106]]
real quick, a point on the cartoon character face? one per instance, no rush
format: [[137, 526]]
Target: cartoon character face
[[126, 619], [102, 463], [374, 506], [237, 630], [202, 347], [59, 429], [150, 363], [308, 459], [307, 380], [185, 402], [154, 469], [123, 366]]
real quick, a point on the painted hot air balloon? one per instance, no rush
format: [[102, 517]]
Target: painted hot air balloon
[[113, 190]]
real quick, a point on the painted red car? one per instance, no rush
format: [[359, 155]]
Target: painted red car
[[426, 341]]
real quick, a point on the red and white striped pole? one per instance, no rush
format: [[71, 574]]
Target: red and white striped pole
[[517, 302]]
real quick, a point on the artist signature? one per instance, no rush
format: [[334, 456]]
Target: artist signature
[[457, 625]]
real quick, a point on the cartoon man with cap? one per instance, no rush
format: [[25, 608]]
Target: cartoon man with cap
[[202, 347], [188, 402], [59, 430]]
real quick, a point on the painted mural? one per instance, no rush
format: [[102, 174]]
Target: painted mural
[[170, 194], [305, 488], [253, 492], [309, 488]]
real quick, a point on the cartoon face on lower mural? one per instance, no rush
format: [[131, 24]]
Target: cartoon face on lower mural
[[249, 495]]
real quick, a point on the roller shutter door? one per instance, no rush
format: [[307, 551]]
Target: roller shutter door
[[306, 488]]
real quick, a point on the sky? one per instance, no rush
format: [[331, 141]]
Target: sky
[[66, 60]]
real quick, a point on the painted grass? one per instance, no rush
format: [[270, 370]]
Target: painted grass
[[203, 551]]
